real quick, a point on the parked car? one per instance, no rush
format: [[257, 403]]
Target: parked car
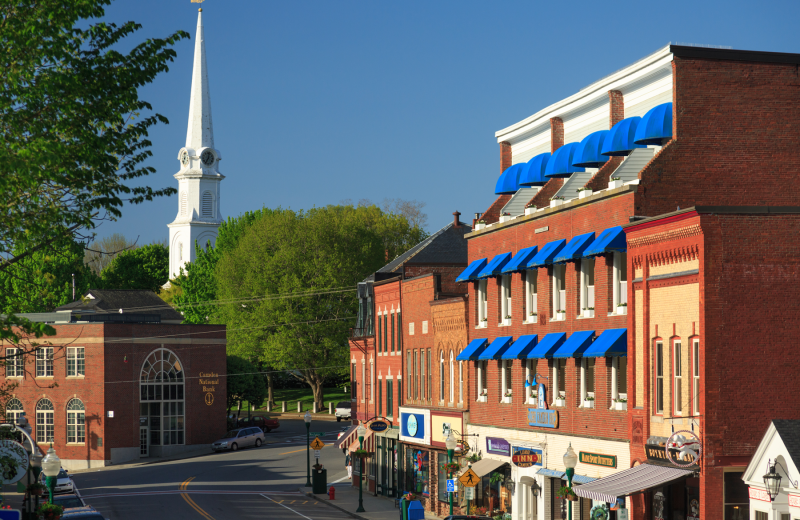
[[467, 517], [69, 500], [81, 513], [342, 411], [64, 482], [267, 424], [239, 438]]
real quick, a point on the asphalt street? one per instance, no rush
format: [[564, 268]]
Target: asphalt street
[[250, 483]]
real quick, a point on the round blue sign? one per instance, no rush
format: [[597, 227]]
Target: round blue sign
[[378, 426], [411, 425]]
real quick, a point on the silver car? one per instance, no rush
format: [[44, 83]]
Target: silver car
[[63, 482], [239, 438]]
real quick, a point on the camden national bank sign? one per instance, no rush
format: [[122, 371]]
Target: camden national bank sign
[[209, 381]]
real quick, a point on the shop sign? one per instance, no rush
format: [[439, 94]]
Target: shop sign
[[542, 418], [16, 461], [378, 426], [683, 448], [498, 446], [608, 461], [656, 452], [209, 381], [794, 500], [759, 494], [526, 457], [413, 425]]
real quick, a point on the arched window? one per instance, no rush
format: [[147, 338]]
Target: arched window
[[76, 423], [184, 204], [161, 386], [44, 421], [452, 376], [441, 375], [208, 204], [13, 410]]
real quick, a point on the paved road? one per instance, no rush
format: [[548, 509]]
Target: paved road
[[251, 483]]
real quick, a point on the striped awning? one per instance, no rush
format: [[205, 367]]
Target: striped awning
[[630, 481], [346, 438], [369, 442]]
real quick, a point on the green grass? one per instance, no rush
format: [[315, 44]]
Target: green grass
[[292, 395]]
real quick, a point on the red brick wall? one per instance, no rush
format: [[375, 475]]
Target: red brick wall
[[417, 294], [556, 134], [388, 363], [447, 276], [492, 214], [505, 156]]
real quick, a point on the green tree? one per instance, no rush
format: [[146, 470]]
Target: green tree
[[287, 290], [244, 383], [145, 268], [43, 281]]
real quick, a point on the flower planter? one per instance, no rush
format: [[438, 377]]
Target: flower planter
[[530, 211], [506, 322], [37, 492], [505, 218], [572, 498], [506, 399], [585, 193], [557, 202], [620, 406], [561, 402], [479, 226], [561, 316], [614, 184], [588, 404], [622, 309], [482, 398], [532, 319], [588, 313]]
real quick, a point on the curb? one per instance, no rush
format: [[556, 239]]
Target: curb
[[295, 415], [329, 503]]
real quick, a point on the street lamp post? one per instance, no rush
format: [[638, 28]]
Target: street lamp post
[[307, 419], [570, 461], [51, 466], [35, 460], [361, 431], [450, 444]]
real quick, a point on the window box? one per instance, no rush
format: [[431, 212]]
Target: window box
[[506, 399], [482, 325], [505, 218], [588, 313], [561, 315], [479, 226], [614, 183], [588, 403], [561, 402], [482, 398], [530, 210], [620, 405], [533, 318], [622, 310], [506, 321], [556, 202], [585, 193]]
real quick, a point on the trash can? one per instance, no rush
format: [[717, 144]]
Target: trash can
[[319, 481], [416, 511]]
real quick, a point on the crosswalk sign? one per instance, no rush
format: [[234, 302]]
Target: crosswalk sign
[[317, 444], [469, 478], [451, 485]]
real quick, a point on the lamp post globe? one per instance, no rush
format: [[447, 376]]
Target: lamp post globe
[[361, 432], [450, 444], [307, 419], [51, 467], [570, 461]]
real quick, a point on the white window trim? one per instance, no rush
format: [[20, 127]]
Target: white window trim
[[587, 291], [482, 304], [452, 379], [72, 354], [677, 377], [559, 301], [505, 300], [441, 376], [615, 381], [481, 381], [696, 377], [16, 365], [619, 292], [556, 383], [659, 363], [531, 296], [460, 381], [47, 361], [529, 392]]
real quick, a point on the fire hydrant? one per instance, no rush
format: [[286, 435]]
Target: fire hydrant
[[332, 493]]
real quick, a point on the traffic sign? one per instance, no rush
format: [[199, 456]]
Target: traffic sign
[[469, 478], [469, 493], [10, 514], [451, 485], [317, 444], [316, 454]]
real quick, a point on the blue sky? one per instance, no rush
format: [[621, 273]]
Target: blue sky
[[319, 101]]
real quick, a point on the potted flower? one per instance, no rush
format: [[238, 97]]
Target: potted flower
[[620, 403], [483, 395], [614, 182], [37, 489], [561, 401], [530, 208], [474, 458], [622, 308], [452, 467], [584, 192], [534, 396], [51, 511], [507, 396], [561, 315], [588, 312], [480, 224], [507, 320], [567, 493], [363, 454], [505, 216], [588, 402], [532, 317], [556, 201]]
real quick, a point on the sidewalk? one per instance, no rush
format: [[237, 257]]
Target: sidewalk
[[376, 508]]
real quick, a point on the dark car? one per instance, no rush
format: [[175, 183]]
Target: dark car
[[69, 500], [267, 424]]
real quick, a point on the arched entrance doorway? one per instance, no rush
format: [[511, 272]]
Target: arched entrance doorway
[[161, 402]]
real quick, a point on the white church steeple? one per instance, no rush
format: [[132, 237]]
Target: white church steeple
[[199, 178]]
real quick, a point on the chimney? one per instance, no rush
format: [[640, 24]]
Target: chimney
[[616, 106], [505, 156], [456, 214], [556, 134]]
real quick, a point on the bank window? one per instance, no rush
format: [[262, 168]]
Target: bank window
[[44, 362], [505, 299], [389, 398], [45, 423], [76, 424], [737, 500], [161, 383], [76, 362], [430, 377], [587, 286], [385, 332], [659, 379], [415, 394], [15, 363], [460, 381], [677, 383], [422, 377], [393, 329], [482, 303], [696, 377], [620, 281], [13, 410], [559, 292], [531, 296], [452, 378]]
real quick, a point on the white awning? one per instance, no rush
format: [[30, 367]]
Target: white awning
[[630, 481], [484, 467]]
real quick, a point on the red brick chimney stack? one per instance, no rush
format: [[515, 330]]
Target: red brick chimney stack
[[456, 214]]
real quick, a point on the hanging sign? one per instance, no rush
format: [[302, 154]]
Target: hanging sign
[[607, 461], [378, 426], [526, 457], [542, 418], [683, 449], [16, 462]]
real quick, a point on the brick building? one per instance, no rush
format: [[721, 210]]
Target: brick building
[[108, 388], [379, 340], [554, 355]]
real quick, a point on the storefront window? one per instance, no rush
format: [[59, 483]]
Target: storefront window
[[442, 487], [737, 501], [496, 497], [417, 471]]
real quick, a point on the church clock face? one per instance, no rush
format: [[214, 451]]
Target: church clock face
[[207, 157], [184, 157]]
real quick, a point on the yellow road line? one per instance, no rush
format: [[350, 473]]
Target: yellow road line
[[191, 502], [296, 451]]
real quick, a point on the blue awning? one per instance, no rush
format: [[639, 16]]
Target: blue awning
[[560, 164], [520, 260], [547, 347], [472, 271], [546, 254], [588, 151], [473, 350], [533, 173], [508, 182], [521, 347], [574, 250], [496, 348], [619, 141], [655, 126], [575, 345], [611, 239], [611, 343], [495, 266]]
